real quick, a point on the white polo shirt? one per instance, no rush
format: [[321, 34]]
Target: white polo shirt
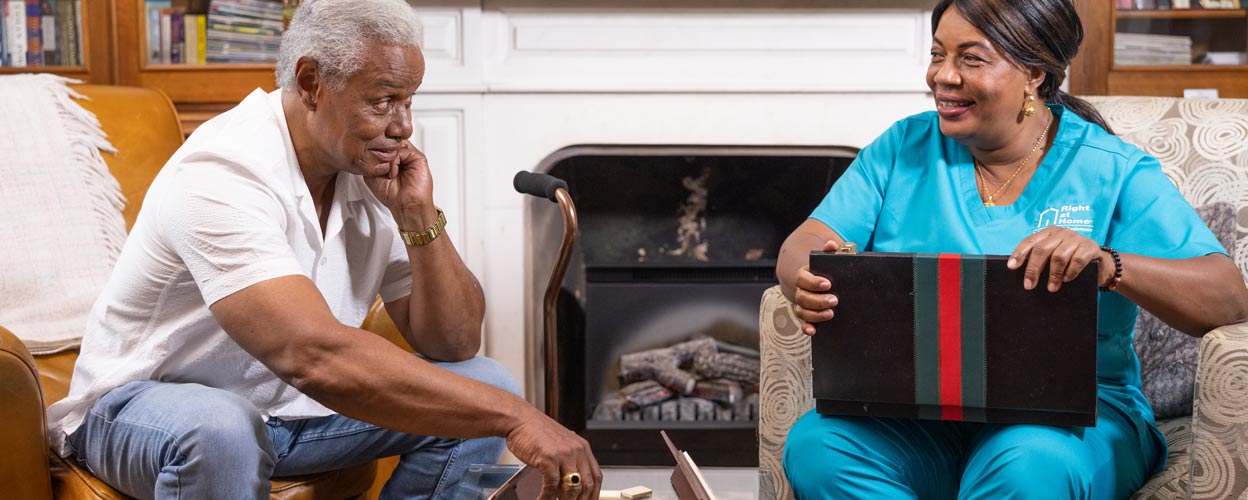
[[230, 209]]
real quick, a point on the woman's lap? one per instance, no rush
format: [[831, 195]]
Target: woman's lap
[[855, 457]]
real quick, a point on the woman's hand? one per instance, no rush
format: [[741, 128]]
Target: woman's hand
[[1065, 252], [813, 300]]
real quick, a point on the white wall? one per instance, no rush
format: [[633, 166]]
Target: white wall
[[505, 87]]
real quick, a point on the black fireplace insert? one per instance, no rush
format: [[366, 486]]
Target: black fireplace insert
[[658, 314]]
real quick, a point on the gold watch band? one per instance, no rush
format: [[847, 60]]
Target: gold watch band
[[422, 238]]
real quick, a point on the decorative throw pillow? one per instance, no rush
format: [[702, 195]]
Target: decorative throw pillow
[[1167, 356]]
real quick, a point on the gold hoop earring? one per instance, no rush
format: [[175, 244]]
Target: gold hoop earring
[[1030, 109]]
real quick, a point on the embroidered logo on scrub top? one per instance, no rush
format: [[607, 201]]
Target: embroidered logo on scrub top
[[1073, 217]]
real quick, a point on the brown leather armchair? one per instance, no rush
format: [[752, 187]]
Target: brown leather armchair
[[143, 125]]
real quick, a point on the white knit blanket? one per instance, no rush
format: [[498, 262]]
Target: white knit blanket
[[62, 227]]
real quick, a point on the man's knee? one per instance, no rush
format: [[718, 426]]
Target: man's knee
[[214, 422], [486, 370], [174, 435]]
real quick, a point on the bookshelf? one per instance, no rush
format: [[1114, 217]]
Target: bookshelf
[[199, 91], [1218, 48], [95, 20], [1183, 14]]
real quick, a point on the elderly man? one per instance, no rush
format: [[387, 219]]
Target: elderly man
[[223, 350]]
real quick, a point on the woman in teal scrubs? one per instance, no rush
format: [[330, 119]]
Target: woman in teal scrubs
[[1009, 164]]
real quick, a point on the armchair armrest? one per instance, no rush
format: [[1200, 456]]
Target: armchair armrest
[[23, 427], [784, 384], [1220, 416]]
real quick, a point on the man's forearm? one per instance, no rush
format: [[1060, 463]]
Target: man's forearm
[[286, 324], [447, 305], [364, 377]]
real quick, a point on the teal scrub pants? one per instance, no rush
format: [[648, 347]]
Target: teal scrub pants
[[885, 459]]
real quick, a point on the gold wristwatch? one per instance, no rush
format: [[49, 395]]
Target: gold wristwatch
[[422, 238]]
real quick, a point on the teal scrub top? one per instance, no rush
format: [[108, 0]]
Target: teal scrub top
[[913, 190]]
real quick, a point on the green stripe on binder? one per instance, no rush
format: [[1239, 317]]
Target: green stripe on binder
[[926, 330], [974, 392]]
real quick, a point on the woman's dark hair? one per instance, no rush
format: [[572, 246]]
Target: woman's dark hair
[[1042, 34]]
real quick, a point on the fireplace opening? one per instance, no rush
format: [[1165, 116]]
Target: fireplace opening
[[658, 313]]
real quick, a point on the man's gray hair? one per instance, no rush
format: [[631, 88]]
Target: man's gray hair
[[336, 32]]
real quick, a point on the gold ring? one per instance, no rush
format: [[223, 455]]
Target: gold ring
[[572, 480]]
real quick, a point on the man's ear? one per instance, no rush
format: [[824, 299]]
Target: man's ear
[[308, 82]]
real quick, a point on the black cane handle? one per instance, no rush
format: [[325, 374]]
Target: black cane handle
[[539, 185]]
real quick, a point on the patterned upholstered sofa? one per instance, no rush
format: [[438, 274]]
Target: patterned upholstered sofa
[[1203, 147]]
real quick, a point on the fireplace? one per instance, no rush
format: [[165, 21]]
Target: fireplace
[[677, 244], [509, 82]]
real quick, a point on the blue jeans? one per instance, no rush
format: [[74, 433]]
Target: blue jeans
[[168, 440]]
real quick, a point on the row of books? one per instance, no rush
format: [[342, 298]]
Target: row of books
[[40, 33], [1178, 4], [175, 37], [227, 31], [1150, 49]]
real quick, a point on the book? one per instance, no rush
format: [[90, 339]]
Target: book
[[1125, 4], [190, 32], [201, 38], [153, 34], [177, 35], [154, 51], [166, 35], [51, 56], [4, 35], [1152, 49], [67, 32], [243, 30], [15, 25], [77, 24], [34, 33], [687, 479]]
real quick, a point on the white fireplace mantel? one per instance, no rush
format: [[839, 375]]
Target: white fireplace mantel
[[509, 82]]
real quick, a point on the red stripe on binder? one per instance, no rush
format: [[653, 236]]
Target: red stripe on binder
[[950, 285]]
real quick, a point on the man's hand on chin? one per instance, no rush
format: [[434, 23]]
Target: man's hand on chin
[[407, 189]]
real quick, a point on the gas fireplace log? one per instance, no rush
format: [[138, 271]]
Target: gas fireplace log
[[727, 365], [696, 409], [720, 390], [664, 365], [611, 408], [643, 394], [683, 409], [669, 410]]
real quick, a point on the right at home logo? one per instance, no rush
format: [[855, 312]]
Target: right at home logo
[[1073, 217]]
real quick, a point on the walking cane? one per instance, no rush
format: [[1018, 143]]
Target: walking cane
[[553, 189]]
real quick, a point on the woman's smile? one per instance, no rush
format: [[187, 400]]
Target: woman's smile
[[951, 107]]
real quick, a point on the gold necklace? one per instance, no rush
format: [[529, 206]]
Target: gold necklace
[[988, 202]]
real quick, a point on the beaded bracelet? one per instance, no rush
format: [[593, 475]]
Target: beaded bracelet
[[1113, 282]]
